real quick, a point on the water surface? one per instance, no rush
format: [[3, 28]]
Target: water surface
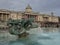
[[36, 37]]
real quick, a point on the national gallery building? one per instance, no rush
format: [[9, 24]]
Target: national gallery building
[[43, 20]]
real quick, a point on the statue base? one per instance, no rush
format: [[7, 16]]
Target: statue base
[[25, 34]]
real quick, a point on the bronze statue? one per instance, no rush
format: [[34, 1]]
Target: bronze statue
[[19, 27]]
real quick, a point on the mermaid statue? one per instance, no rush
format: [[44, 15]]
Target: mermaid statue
[[20, 27]]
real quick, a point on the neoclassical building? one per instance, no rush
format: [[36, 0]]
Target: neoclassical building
[[44, 20]]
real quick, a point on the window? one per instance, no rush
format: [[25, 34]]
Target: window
[[45, 19]]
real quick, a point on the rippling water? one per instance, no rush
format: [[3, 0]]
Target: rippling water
[[37, 37]]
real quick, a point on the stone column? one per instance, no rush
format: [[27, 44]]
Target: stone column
[[6, 17], [2, 16], [9, 16], [17, 16]]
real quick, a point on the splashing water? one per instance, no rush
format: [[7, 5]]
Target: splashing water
[[37, 37]]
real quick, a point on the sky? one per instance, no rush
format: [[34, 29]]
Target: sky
[[42, 6]]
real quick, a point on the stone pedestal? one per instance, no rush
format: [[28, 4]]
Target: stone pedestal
[[23, 35]]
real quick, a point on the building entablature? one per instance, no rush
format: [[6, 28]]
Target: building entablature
[[31, 13], [4, 11]]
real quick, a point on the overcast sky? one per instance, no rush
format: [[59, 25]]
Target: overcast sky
[[42, 6]]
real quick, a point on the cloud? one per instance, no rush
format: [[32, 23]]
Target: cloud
[[52, 4], [37, 5], [4, 3]]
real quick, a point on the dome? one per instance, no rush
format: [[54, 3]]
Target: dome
[[28, 7]]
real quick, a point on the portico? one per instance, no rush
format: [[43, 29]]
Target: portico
[[4, 16]]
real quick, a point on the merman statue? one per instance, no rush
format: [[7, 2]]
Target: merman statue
[[19, 27]]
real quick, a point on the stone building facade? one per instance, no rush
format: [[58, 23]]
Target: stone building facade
[[44, 20]]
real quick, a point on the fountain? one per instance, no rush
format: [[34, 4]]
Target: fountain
[[34, 36], [20, 27], [28, 33]]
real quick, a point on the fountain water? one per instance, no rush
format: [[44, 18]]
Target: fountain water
[[36, 36]]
